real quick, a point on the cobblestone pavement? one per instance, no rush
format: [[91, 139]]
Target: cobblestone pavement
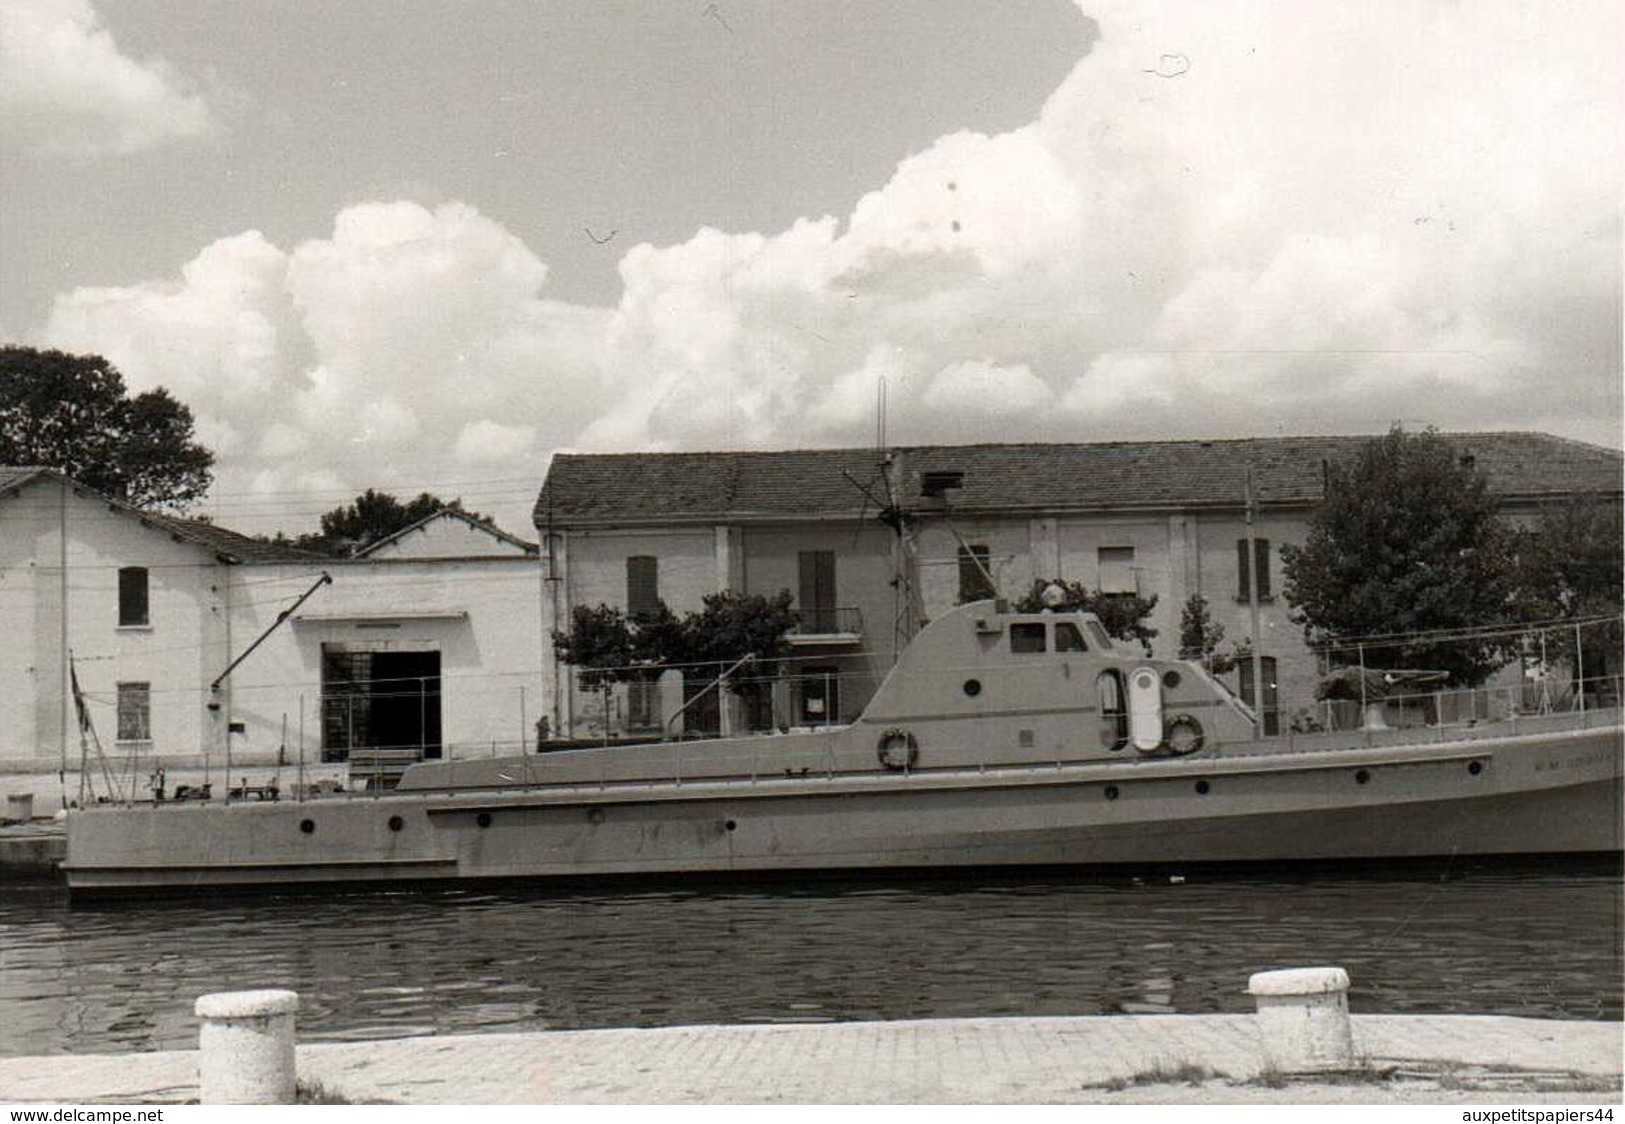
[[1408, 1059]]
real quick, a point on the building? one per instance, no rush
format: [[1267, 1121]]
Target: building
[[194, 644], [871, 545]]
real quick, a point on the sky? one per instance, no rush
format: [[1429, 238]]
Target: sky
[[418, 246]]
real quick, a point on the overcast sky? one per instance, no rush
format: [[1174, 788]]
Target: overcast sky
[[418, 246]]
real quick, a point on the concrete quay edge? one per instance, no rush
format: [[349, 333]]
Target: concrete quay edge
[[1424, 1059]]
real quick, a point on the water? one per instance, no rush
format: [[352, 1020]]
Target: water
[[81, 979]]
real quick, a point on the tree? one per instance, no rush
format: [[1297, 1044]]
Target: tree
[[1124, 616], [73, 413], [607, 647], [599, 646], [372, 517], [1405, 542], [734, 625], [1200, 636], [1568, 566]]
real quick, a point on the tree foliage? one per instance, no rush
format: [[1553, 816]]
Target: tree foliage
[[372, 517], [1124, 616], [1405, 542], [73, 413], [599, 645], [605, 645], [1568, 565], [1200, 636]]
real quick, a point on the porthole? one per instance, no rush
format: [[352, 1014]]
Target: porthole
[[973, 687], [1203, 788], [307, 826], [1475, 767], [730, 824], [1111, 792], [1362, 776], [483, 819], [1170, 679], [396, 823]]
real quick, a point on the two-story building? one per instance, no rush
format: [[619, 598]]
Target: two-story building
[[872, 544], [192, 644]]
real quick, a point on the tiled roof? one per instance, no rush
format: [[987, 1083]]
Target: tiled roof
[[228, 545], [674, 487], [14, 476]]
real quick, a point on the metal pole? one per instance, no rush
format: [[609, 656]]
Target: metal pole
[[1252, 608], [1579, 669]]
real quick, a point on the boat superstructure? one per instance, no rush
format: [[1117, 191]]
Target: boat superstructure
[[997, 739]]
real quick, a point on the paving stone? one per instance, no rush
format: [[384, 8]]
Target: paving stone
[[1012, 1060]]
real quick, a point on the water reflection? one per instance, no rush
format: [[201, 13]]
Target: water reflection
[[89, 979]]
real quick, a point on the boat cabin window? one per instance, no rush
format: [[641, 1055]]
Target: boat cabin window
[[1027, 637], [1113, 710], [1098, 635], [1068, 638]]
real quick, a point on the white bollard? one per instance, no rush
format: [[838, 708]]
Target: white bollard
[[245, 1047], [1303, 1018]]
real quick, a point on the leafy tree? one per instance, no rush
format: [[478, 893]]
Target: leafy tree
[[73, 413], [372, 517], [607, 646], [1568, 565], [599, 645], [1200, 636], [733, 625], [1124, 616], [1406, 542]]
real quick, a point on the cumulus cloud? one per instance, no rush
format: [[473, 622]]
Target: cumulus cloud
[[66, 89], [1222, 223]]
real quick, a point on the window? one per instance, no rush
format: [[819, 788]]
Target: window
[[1262, 553], [817, 572], [1068, 638], [642, 585], [975, 574], [1113, 710], [1117, 570], [1027, 637], [135, 712], [132, 597], [1272, 701], [820, 696]]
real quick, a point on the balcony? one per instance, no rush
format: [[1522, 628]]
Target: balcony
[[828, 625]]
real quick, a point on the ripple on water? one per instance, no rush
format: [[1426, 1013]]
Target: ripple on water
[[374, 965]]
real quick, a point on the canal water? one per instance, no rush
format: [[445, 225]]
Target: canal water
[[1544, 943]]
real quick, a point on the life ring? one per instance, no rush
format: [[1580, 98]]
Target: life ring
[[1182, 735], [898, 749]]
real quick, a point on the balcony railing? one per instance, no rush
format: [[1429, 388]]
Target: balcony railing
[[827, 622]]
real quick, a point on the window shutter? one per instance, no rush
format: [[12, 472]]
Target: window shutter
[[1261, 555], [817, 590], [642, 585]]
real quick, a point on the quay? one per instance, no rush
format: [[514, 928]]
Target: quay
[[1172, 1059]]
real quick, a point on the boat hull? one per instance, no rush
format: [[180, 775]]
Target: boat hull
[[1543, 794]]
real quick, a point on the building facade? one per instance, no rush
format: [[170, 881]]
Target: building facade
[[870, 546], [192, 644]]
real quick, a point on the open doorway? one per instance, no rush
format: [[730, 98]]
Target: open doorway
[[380, 700]]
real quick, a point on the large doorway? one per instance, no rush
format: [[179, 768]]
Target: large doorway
[[379, 700]]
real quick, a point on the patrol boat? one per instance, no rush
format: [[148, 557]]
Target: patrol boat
[[998, 739]]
